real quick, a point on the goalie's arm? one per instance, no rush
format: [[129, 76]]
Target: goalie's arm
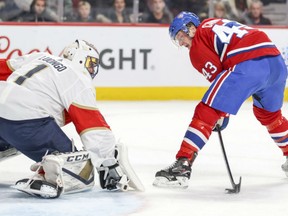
[[7, 66], [5, 69], [94, 132]]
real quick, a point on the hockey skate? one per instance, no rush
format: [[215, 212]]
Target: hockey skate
[[117, 174], [38, 188], [177, 175], [7, 151], [285, 166]]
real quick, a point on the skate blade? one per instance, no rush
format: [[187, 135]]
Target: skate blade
[[162, 182]]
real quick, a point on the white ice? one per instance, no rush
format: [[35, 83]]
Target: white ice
[[153, 132]]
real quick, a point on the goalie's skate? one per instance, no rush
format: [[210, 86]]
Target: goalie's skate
[[8, 153], [176, 175], [38, 188], [122, 157], [285, 166]]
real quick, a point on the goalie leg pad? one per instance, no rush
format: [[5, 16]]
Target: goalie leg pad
[[65, 172], [72, 171]]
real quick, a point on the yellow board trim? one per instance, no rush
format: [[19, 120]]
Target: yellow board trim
[[155, 93], [150, 93]]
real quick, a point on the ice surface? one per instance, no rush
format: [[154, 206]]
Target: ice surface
[[153, 132]]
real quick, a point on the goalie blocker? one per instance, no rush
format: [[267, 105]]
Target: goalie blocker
[[118, 174], [63, 173]]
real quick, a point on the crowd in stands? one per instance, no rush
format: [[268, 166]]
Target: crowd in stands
[[121, 11]]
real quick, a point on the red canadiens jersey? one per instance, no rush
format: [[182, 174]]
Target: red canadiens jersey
[[220, 44]]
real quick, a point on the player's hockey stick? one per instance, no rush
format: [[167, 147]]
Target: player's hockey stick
[[236, 187]]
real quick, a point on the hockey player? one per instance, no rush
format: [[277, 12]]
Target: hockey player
[[240, 62], [44, 93]]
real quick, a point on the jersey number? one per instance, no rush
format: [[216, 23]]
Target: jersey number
[[208, 70], [30, 73], [225, 32]]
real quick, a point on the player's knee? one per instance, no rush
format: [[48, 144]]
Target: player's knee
[[267, 118], [206, 116]]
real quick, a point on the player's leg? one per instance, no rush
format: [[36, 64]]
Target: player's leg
[[276, 124], [277, 127], [268, 103], [198, 133], [55, 173], [35, 138], [39, 140], [226, 94]]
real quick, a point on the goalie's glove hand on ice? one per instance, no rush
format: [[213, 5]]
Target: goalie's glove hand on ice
[[222, 122], [111, 176]]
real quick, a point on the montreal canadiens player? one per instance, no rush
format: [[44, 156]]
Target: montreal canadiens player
[[44, 93], [239, 62]]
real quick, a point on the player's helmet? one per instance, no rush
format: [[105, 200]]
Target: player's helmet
[[180, 22], [84, 57]]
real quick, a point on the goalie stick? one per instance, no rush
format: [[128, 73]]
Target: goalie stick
[[236, 187], [134, 180]]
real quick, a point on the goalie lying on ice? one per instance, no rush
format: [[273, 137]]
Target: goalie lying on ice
[[44, 93]]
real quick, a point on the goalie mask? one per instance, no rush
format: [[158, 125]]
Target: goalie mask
[[84, 57]]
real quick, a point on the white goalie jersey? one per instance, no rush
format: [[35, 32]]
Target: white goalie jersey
[[50, 86]]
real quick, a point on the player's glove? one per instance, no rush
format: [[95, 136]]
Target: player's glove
[[222, 122]]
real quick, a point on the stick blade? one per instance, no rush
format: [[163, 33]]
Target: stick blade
[[236, 188]]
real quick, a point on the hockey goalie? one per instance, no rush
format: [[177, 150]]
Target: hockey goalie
[[43, 93]]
